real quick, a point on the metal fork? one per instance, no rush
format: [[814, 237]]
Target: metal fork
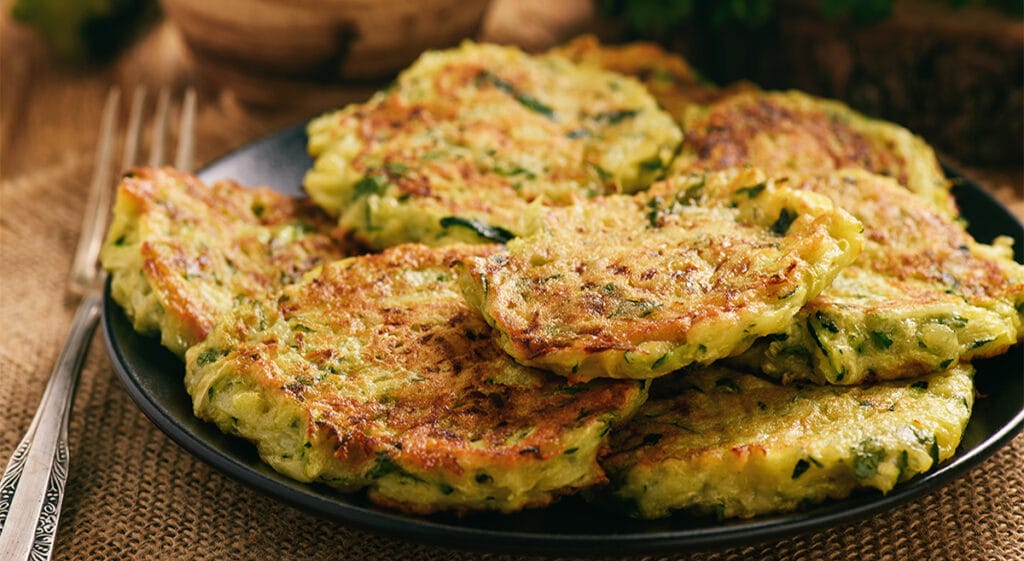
[[32, 486]]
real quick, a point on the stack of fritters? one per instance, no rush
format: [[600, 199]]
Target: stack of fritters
[[374, 372], [692, 271], [814, 251], [465, 139]]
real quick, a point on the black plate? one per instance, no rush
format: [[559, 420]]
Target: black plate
[[153, 377]]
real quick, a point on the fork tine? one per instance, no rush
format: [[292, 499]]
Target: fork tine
[[156, 147], [130, 155], [186, 132], [83, 268]]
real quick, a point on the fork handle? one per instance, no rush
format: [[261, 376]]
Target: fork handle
[[32, 486]]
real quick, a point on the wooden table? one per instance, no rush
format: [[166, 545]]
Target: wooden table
[[49, 116]]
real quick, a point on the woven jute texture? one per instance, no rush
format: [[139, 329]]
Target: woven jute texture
[[134, 494]]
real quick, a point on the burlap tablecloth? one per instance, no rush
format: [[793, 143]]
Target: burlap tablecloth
[[133, 494]]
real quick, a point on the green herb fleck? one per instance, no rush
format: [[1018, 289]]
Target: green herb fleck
[[982, 342], [654, 212], [800, 467], [785, 220], [384, 466], [397, 168], [207, 356], [954, 321], [661, 360], [686, 428], [867, 455], [605, 175], [692, 193], [652, 164], [486, 231], [881, 340], [525, 99], [751, 192], [635, 308], [903, 462], [815, 337], [513, 169], [615, 117], [826, 322], [370, 185]]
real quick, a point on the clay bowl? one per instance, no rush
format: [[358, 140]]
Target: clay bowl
[[325, 40]]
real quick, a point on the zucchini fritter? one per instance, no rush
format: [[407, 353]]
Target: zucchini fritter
[[180, 252], [668, 76], [722, 442], [637, 286], [922, 296], [466, 138], [784, 132], [374, 373]]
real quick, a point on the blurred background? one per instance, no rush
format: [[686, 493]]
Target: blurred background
[[950, 70]]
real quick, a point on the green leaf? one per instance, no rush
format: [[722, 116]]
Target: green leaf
[[91, 29]]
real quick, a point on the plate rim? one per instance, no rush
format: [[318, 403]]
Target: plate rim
[[308, 498]]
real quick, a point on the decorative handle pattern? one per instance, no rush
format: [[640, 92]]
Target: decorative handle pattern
[[32, 487], [9, 481]]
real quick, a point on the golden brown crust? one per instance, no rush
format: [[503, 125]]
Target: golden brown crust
[[476, 134], [922, 296], [792, 132], [391, 367], [639, 286], [444, 340], [715, 440], [196, 248]]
